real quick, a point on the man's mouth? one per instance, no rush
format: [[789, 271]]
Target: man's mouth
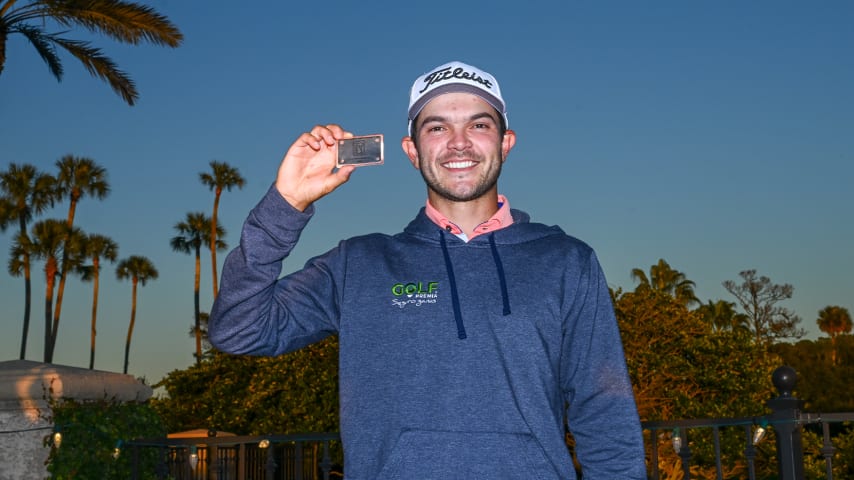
[[460, 164]]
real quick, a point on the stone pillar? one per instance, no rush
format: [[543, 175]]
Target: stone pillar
[[25, 387]]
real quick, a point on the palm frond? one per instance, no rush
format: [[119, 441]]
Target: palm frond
[[44, 45], [126, 22], [6, 6], [101, 66]]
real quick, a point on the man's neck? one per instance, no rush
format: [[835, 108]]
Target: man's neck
[[466, 215]]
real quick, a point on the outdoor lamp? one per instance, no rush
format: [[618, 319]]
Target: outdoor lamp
[[760, 431], [57, 439], [194, 457], [677, 440]]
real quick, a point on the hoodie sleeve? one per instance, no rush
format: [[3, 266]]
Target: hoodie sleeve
[[602, 414], [257, 313]]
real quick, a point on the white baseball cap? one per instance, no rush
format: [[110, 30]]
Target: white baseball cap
[[455, 77]]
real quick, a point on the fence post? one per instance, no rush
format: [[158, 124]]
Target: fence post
[[785, 414]]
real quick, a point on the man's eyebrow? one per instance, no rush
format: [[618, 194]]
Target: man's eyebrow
[[476, 116]]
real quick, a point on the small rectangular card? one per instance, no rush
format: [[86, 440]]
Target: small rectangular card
[[360, 151]]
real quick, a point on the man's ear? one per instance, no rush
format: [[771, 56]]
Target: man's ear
[[411, 151], [507, 143]]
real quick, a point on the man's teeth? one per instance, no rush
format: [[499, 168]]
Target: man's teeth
[[464, 164]]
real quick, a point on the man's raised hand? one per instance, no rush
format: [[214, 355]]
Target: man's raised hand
[[307, 172]]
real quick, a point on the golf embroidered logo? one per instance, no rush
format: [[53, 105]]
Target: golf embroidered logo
[[414, 293]]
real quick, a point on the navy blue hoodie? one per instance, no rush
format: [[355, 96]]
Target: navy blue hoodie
[[457, 360]]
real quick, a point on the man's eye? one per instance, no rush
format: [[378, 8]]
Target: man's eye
[[481, 125], [436, 128]]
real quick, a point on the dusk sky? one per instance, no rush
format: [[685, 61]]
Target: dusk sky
[[716, 135]]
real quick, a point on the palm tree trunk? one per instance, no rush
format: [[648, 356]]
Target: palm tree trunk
[[63, 272], [196, 305], [213, 241], [50, 279], [2, 51], [56, 310], [94, 331], [130, 327], [28, 295], [833, 350]]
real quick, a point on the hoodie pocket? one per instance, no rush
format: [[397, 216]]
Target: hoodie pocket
[[428, 454]]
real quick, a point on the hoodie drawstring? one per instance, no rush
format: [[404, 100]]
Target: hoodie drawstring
[[500, 267], [455, 297]]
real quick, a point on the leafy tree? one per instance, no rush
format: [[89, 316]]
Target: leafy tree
[[95, 248], [125, 22], [759, 297], [683, 368], [193, 232], [78, 177], [225, 176], [293, 393], [824, 389], [140, 270], [834, 321], [24, 193], [664, 278]]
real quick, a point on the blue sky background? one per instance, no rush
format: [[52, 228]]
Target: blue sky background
[[716, 135]]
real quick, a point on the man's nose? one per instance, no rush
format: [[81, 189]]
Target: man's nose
[[459, 140]]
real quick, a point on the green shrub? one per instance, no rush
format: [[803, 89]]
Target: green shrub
[[93, 435]]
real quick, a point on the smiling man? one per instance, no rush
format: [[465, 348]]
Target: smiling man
[[469, 341]]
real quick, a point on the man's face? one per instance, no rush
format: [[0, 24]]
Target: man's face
[[460, 149]]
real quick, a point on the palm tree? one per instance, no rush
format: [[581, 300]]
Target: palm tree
[[78, 177], [96, 247], [26, 192], [834, 321], [139, 269], [47, 243], [664, 278], [722, 315], [125, 22], [222, 176], [193, 232], [203, 330]]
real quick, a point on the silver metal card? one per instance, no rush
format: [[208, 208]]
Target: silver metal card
[[360, 151]]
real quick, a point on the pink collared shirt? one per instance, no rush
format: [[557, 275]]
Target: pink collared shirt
[[501, 219]]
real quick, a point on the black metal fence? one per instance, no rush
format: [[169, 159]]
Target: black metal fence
[[268, 457], [308, 457]]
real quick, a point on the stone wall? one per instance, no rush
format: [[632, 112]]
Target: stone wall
[[25, 387]]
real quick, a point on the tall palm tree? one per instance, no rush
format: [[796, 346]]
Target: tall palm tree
[[834, 321], [225, 176], [78, 177], [95, 248], [139, 270], [25, 192], [193, 232], [46, 244], [664, 278], [125, 22]]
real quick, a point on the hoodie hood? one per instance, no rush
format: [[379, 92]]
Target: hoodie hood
[[522, 230]]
